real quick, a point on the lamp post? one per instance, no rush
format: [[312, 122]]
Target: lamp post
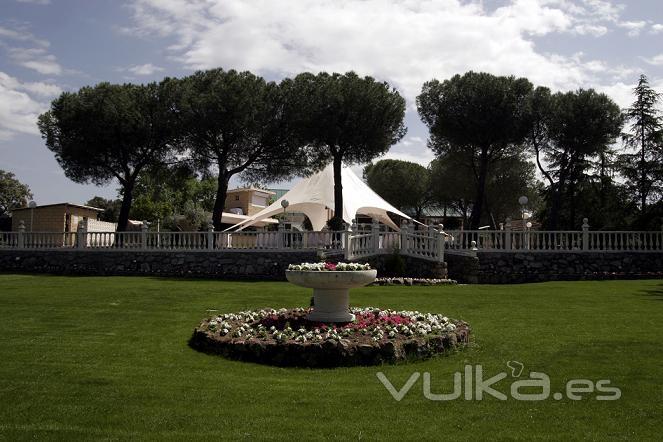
[[284, 204]]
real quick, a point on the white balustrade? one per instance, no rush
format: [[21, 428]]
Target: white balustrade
[[360, 241]]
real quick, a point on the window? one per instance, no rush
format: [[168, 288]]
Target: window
[[236, 197], [259, 200]]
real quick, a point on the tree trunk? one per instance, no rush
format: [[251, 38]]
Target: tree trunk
[[556, 205], [220, 200], [643, 175], [338, 193], [572, 200], [127, 197], [477, 207]]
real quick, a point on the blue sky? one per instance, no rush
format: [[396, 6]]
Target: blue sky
[[50, 46]]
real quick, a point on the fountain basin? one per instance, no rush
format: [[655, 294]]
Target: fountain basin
[[331, 291]]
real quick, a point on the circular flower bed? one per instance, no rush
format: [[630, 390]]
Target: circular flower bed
[[286, 338]]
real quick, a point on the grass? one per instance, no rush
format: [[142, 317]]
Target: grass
[[107, 358]]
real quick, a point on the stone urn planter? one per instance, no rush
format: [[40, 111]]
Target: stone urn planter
[[331, 291]]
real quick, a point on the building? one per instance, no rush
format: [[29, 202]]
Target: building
[[247, 201], [61, 217], [449, 217]]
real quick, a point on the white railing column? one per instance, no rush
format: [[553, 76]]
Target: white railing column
[[375, 236], [404, 230], [21, 235], [440, 243], [507, 234], [349, 240], [81, 235], [143, 235], [210, 236], [585, 234], [280, 238]]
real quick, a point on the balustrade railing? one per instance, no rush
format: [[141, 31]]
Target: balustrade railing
[[9, 240], [358, 242]]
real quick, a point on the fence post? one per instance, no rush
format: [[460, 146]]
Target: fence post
[[375, 236], [440, 243], [143, 235], [349, 240], [280, 238], [403, 247], [21, 234], [507, 234], [81, 235], [210, 236], [585, 234]]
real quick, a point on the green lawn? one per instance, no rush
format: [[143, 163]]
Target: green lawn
[[107, 358]]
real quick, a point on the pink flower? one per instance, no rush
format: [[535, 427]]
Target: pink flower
[[330, 266]]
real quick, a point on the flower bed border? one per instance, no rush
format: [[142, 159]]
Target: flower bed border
[[330, 353], [413, 281]]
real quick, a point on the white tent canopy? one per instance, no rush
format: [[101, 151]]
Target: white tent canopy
[[314, 196]]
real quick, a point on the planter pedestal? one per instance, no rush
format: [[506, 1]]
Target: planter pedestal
[[331, 305], [331, 291]]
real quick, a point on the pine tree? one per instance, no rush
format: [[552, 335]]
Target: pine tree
[[642, 168]]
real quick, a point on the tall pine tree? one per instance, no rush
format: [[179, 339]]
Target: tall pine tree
[[642, 168]]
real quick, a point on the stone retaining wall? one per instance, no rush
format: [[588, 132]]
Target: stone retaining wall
[[464, 268], [489, 268], [414, 267], [222, 265], [507, 268]]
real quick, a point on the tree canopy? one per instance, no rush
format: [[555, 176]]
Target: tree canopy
[[111, 208], [167, 194], [452, 184], [344, 118], [174, 146], [235, 123], [574, 138], [109, 131], [13, 193], [403, 184], [478, 118]]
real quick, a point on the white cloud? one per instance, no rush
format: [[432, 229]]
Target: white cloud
[[656, 60], [656, 28], [412, 148], [620, 92], [144, 69], [633, 27], [588, 29], [405, 42], [22, 35], [36, 2], [603, 10], [35, 57], [18, 109], [41, 89]]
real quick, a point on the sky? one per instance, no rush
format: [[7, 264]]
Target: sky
[[51, 46]]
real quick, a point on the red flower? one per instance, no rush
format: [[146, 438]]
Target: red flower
[[330, 266]]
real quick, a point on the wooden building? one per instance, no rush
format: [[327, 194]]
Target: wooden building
[[62, 217]]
